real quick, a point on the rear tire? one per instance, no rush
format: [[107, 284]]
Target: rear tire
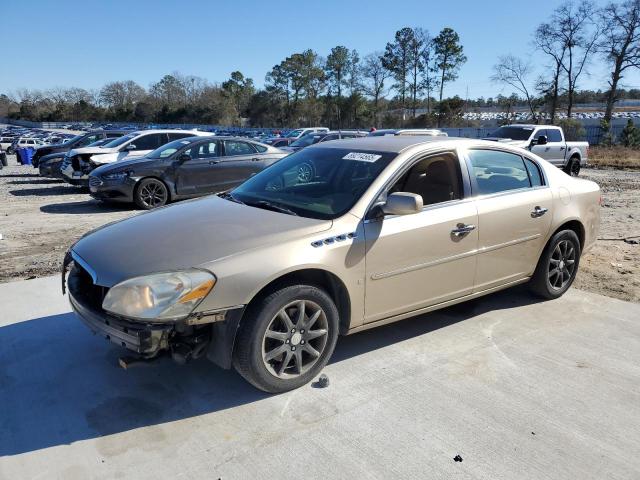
[[150, 193], [557, 266], [573, 167], [278, 348]]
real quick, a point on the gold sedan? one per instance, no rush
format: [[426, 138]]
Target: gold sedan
[[334, 239]]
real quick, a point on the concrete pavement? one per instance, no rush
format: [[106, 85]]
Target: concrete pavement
[[520, 389]]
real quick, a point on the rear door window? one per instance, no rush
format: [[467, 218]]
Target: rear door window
[[553, 135], [495, 171], [235, 147], [150, 142]]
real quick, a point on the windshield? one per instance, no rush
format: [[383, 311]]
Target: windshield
[[514, 133], [306, 140], [169, 149], [294, 133], [73, 139], [322, 183], [120, 140]]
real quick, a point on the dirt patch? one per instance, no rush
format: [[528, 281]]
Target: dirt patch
[[41, 218], [612, 266]]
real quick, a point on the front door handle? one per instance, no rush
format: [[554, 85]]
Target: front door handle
[[462, 229], [538, 212], [255, 159], [213, 162]]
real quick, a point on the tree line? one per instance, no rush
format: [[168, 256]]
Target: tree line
[[404, 84]]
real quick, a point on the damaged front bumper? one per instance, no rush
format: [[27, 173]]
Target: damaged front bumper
[[204, 333], [145, 340]]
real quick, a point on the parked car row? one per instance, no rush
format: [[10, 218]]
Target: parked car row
[[12, 138], [150, 168]]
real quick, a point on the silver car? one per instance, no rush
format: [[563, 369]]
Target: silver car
[[334, 239]]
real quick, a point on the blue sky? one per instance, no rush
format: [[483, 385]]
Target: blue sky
[[88, 43]]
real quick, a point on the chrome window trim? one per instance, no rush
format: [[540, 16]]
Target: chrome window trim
[[465, 152]]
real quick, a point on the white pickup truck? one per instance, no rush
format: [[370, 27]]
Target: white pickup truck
[[546, 141]]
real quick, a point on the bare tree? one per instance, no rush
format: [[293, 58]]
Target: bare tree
[[620, 44], [416, 46], [513, 71], [574, 28], [428, 80], [552, 45], [374, 75]]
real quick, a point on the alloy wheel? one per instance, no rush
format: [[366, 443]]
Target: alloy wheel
[[561, 264], [295, 339], [153, 194]]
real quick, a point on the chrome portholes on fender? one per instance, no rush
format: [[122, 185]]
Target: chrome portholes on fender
[[337, 239]]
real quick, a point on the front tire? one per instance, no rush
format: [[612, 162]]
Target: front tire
[[557, 266], [150, 193], [287, 338]]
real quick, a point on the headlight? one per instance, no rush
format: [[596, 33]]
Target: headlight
[[160, 297], [116, 176]]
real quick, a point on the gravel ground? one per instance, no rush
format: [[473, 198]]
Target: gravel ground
[[40, 218], [612, 266]]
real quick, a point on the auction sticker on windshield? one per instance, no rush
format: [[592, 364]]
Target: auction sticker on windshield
[[362, 157]]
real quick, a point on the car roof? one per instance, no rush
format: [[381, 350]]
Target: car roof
[[393, 144]]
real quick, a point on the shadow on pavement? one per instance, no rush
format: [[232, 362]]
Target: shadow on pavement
[[89, 206], [60, 384], [46, 192], [21, 175]]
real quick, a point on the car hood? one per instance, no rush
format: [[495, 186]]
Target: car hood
[[92, 151], [186, 235], [130, 162]]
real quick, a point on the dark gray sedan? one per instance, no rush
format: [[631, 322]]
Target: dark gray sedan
[[186, 168]]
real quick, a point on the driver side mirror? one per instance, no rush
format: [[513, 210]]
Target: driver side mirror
[[542, 140], [402, 203], [131, 147], [185, 157]]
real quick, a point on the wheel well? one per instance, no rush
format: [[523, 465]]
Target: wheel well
[[323, 279], [576, 226]]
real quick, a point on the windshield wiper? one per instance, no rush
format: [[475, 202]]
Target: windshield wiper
[[271, 206], [228, 196]]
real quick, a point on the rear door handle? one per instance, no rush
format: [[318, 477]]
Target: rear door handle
[[213, 162], [538, 212], [255, 159], [462, 229], [562, 148]]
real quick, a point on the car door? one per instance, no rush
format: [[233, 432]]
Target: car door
[[414, 261], [514, 215], [239, 161], [198, 174], [556, 146]]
